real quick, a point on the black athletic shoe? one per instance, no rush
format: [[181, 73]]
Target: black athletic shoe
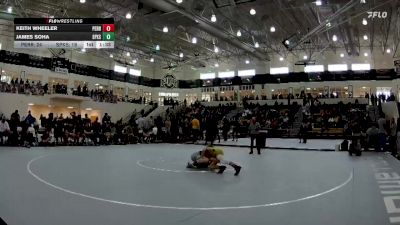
[[251, 152], [189, 166], [221, 169], [237, 169]]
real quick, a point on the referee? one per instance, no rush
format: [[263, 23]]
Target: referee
[[254, 128]]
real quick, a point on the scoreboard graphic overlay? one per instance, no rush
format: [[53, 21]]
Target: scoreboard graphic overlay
[[64, 33]]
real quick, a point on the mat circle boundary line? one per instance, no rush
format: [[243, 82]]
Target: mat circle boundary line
[[29, 165]]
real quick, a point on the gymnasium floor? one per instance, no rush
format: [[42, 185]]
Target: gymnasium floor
[[149, 185]]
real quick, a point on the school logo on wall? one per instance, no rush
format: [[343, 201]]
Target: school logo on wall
[[397, 66], [169, 81]]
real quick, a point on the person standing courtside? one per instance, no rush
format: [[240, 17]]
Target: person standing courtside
[[254, 128], [393, 137], [382, 132], [195, 129]]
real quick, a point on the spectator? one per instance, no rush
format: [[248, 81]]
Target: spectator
[[15, 116], [4, 131], [235, 129], [106, 118], [225, 128], [382, 132], [168, 125], [30, 120], [372, 137], [393, 137]]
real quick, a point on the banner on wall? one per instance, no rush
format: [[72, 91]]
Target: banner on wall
[[61, 70], [397, 66], [169, 81]]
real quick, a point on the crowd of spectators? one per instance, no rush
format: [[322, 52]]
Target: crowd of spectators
[[303, 94], [73, 129], [191, 123], [170, 101], [20, 86]]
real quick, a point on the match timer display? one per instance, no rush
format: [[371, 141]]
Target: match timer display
[[64, 33]]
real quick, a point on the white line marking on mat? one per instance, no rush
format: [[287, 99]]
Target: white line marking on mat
[[28, 167], [140, 163]]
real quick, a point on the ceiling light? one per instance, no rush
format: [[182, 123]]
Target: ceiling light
[[256, 45], [334, 38], [152, 59], [96, 84], [341, 55], [181, 55], [134, 61], [328, 24], [281, 59], [31, 104], [128, 15], [247, 61], [194, 40], [252, 12], [213, 18], [88, 109], [157, 47], [365, 37], [82, 1], [238, 33], [366, 54], [70, 107], [165, 29], [216, 65], [272, 29], [83, 50], [216, 49], [318, 2], [111, 56], [305, 57], [179, 1], [128, 54], [364, 22], [388, 51], [128, 38], [287, 42], [9, 9]]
